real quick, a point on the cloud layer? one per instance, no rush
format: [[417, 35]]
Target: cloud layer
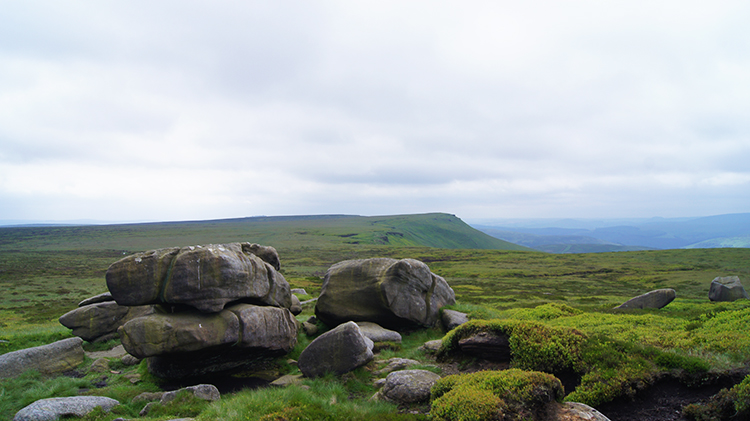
[[187, 110]]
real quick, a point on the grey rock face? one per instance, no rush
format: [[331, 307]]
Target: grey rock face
[[207, 392], [103, 297], [392, 293], [93, 321], [453, 318], [654, 299], [53, 358], [269, 328], [376, 333], [296, 307], [56, 408], [486, 345], [408, 386], [395, 364], [204, 277], [727, 288], [574, 411], [339, 351]]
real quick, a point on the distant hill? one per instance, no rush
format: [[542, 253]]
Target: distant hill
[[732, 230], [438, 230]]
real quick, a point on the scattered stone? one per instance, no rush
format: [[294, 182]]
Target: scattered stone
[[105, 296], [100, 365], [130, 360], [94, 321], [408, 386], [287, 380], [53, 358], [376, 333], [148, 396], [207, 392], [146, 409], [56, 408], [299, 291], [432, 347], [309, 328], [204, 277], [116, 352], [392, 293], [727, 288], [378, 383], [453, 318], [134, 378], [296, 307], [339, 350], [395, 364], [486, 345], [654, 299]]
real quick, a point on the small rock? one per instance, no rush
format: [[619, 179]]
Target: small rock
[[654, 299], [148, 396], [56, 408], [376, 333], [574, 411], [130, 360], [395, 364], [101, 365], [300, 291], [453, 318], [207, 392], [105, 296], [432, 347], [134, 378], [727, 288], [408, 386], [287, 380], [146, 409], [296, 307], [309, 329]]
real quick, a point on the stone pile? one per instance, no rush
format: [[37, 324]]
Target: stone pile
[[206, 309]]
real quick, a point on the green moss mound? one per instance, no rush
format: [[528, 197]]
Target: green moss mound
[[494, 395]]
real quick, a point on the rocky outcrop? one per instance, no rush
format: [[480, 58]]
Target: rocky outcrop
[[204, 277], [392, 293], [408, 386], [453, 318], [57, 408], [53, 358], [100, 319], [338, 351], [727, 288], [654, 299], [101, 298]]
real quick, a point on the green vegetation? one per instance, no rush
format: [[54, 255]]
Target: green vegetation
[[486, 395], [557, 310]]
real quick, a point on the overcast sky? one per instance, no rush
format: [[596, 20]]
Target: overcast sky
[[177, 110]]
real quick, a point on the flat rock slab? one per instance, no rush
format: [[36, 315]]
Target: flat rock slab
[[653, 299], [376, 333], [53, 358], [55, 408], [116, 352]]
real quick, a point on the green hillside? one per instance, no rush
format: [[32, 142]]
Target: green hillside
[[428, 230]]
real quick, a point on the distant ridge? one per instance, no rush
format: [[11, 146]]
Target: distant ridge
[[439, 230]]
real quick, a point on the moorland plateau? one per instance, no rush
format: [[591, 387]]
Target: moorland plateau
[[690, 345]]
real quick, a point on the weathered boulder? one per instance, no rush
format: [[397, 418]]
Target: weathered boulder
[[299, 291], [377, 333], [654, 299], [204, 277], [53, 358], [271, 329], [162, 333], [453, 318], [392, 293], [99, 319], [339, 351], [727, 288], [56, 408], [103, 297], [432, 347], [486, 345], [408, 386]]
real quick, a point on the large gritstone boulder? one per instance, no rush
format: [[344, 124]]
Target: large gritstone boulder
[[392, 293], [204, 277], [727, 288], [242, 325], [654, 299], [100, 320], [338, 351], [54, 358]]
